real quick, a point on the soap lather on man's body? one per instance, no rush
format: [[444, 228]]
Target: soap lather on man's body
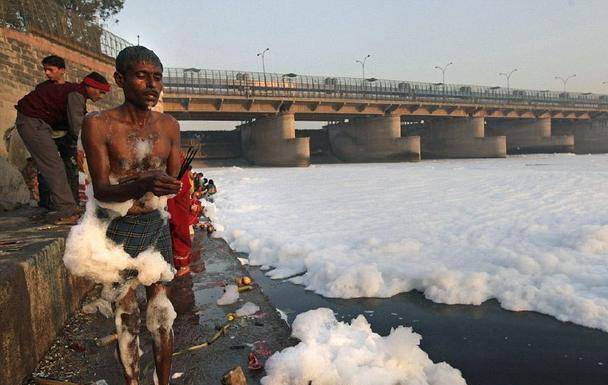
[[133, 154]]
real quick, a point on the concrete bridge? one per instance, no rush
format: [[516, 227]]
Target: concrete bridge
[[386, 120]]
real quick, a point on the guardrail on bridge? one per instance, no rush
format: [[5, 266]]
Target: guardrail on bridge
[[256, 84]]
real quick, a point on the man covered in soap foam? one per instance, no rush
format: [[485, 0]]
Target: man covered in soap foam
[[133, 158]]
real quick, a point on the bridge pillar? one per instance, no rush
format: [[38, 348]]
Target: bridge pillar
[[590, 136], [271, 141], [459, 138], [374, 139], [529, 136]]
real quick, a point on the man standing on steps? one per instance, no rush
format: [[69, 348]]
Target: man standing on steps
[[133, 154], [54, 70], [38, 114]]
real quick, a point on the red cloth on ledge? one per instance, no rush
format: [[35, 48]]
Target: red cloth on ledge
[[179, 208]]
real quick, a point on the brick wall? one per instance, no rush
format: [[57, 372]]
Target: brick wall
[[20, 69]]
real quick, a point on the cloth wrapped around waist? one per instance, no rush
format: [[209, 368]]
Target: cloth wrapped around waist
[[139, 232]]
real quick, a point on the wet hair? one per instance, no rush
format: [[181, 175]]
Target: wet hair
[[135, 54], [97, 77], [54, 60]]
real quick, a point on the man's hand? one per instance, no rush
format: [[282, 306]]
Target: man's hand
[[159, 183]]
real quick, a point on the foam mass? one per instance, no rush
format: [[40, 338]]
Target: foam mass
[[332, 352], [89, 253], [529, 231]]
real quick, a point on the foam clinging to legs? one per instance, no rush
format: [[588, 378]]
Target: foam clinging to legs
[[160, 313], [127, 328], [91, 254]]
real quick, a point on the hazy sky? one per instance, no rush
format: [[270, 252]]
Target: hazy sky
[[406, 39]]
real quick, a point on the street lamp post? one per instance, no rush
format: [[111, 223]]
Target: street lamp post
[[263, 54], [442, 69], [565, 81], [362, 62], [508, 76]]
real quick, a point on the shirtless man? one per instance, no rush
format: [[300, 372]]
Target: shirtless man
[[133, 153]]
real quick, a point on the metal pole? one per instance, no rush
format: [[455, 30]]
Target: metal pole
[[508, 76], [565, 81], [362, 62], [442, 69], [263, 54]]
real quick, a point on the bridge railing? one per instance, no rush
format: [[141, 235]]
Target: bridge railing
[[255, 84]]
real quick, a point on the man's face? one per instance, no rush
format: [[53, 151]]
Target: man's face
[[142, 84], [95, 94], [53, 73]]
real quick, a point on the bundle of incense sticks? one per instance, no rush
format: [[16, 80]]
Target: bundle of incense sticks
[[187, 161]]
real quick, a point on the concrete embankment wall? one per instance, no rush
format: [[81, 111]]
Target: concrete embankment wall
[[20, 65], [37, 294]]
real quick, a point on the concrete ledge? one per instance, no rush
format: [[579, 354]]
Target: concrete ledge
[[373, 139], [592, 138], [271, 141], [387, 150], [37, 294], [460, 138], [492, 147], [549, 145], [287, 153], [529, 136]]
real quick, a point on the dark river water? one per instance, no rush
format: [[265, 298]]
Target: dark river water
[[489, 345]]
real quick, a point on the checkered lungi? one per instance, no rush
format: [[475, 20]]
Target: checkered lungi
[[138, 232]]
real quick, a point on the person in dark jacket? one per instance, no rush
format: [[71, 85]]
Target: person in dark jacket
[[38, 113], [54, 70]]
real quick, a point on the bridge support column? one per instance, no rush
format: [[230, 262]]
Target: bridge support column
[[590, 136], [460, 138], [529, 136], [375, 139], [271, 141]]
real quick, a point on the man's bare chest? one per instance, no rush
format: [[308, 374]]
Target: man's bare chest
[[138, 150]]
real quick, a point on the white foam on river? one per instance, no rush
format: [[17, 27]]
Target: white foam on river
[[530, 231]]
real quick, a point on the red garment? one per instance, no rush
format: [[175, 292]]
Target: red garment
[[179, 208], [49, 101], [196, 210]]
